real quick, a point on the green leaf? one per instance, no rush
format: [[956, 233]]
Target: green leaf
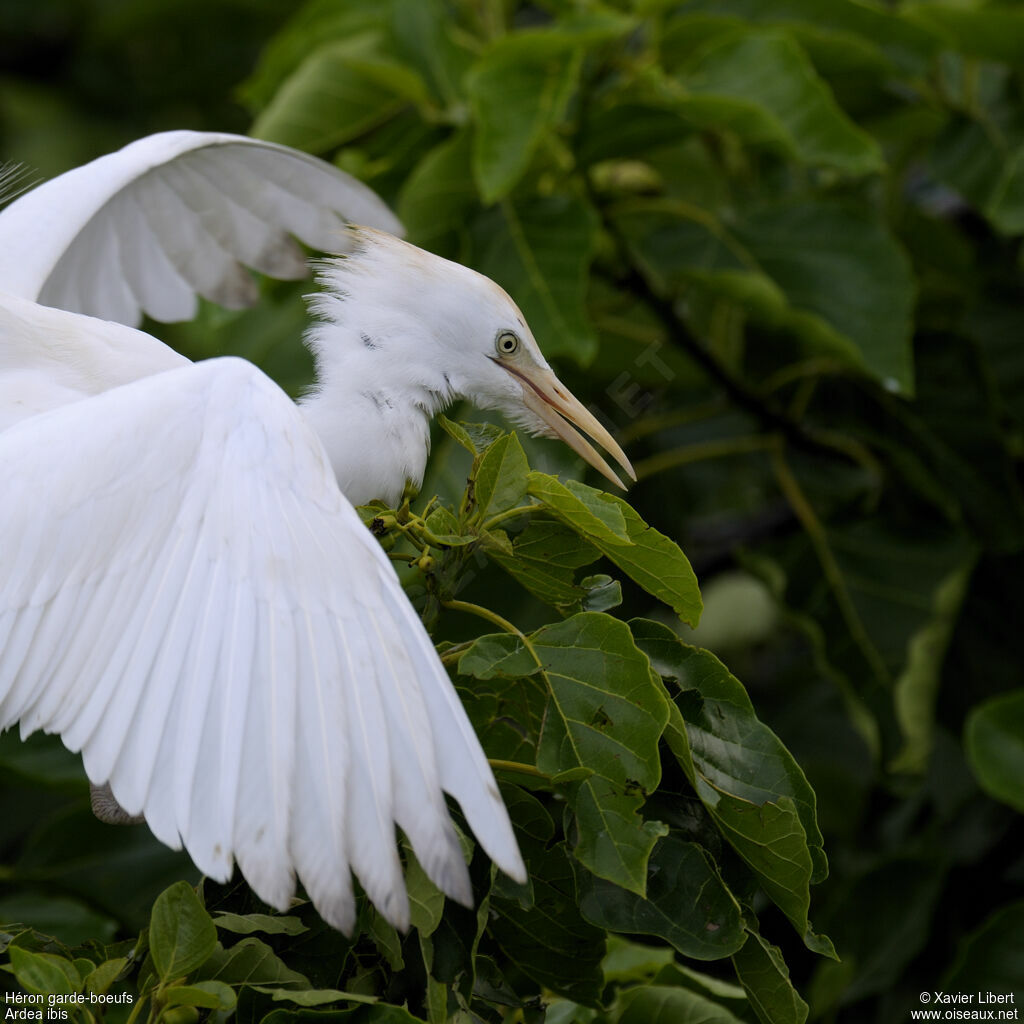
[[993, 33], [994, 742], [498, 654], [762, 86], [252, 962], [387, 940], [756, 793], [269, 924], [314, 996], [339, 92], [660, 1004], [105, 974], [549, 940], [686, 903], [908, 46], [606, 714], [501, 478], [680, 246], [848, 284], [507, 715], [209, 995], [181, 934], [591, 513], [73, 921], [474, 437], [426, 901], [539, 250], [44, 973], [312, 25], [544, 559], [652, 560], [729, 745], [601, 593], [990, 959], [426, 35], [916, 688], [439, 194], [765, 978], [519, 90]]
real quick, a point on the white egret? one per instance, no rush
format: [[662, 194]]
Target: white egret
[[186, 594]]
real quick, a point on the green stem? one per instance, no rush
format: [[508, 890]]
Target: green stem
[[137, 1009], [511, 513], [826, 559], [516, 766], [672, 418], [495, 619], [703, 450], [483, 613]]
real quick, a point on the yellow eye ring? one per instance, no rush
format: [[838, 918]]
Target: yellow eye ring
[[506, 343]]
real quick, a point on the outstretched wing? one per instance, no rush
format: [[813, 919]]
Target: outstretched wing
[[146, 229], [190, 601]]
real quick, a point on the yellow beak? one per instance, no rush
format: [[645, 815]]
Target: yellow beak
[[545, 395]]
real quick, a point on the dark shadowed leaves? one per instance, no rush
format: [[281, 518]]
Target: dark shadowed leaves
[[686, 903]]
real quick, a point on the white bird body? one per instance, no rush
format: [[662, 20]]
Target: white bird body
[[186, 595]]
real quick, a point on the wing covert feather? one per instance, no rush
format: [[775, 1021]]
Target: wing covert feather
[[204, 616], [173, 215]]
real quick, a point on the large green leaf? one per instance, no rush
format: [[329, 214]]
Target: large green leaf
[[755, 792], [500, 480], [438, 196], [654, 561], [544, 559], [986, 167], [539, 250], [729, 746], [181, 933], [994, 742], [519, 90], [312, 25], [680, 245], [251, 962], [340, 91], [854, 25], [604, 718], [994, 32], [687, 904], [661, 1004], [762, 86], [848, 284], [765, 977], [827, 271], [612, 525], [591, 513], [549, 940], [43, 973]]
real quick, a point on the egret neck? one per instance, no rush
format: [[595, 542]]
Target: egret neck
[[372, 405]]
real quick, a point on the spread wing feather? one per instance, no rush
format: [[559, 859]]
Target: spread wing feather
[[173, 216], [204, 616]]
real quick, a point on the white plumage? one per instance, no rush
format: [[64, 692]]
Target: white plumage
[[186, 595]]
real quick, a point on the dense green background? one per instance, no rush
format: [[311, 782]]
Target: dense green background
[[777, 244]]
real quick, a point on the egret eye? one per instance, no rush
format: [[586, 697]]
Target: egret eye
[[506, 343]]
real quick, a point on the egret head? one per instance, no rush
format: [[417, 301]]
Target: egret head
[[455, 334]]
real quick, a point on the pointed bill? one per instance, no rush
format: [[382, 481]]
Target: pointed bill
[[545, 395]]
